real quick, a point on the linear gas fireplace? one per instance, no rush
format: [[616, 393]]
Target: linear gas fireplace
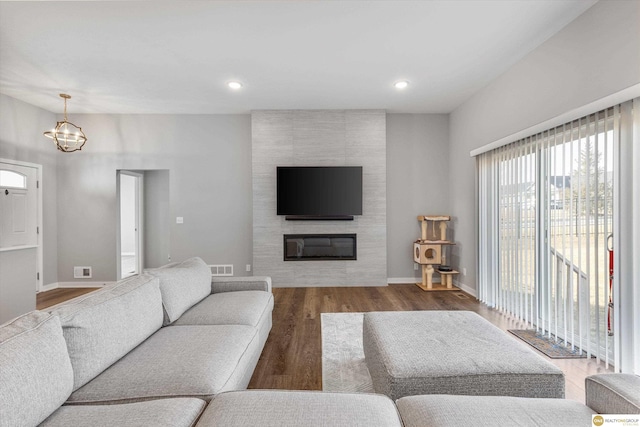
[[315, 247]]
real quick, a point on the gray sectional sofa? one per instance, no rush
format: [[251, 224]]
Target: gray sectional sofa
[[615, 394], [149, 350], [175, 348]]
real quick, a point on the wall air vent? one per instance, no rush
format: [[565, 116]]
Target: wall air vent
[[82, 272], [222, 270]]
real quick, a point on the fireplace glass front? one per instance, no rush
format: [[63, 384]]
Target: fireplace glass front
[[315, 247]]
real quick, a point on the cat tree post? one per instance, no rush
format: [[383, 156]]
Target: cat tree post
[[429, 251]]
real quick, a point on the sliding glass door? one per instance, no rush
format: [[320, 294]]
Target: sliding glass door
[[546, 219], [576, 217]]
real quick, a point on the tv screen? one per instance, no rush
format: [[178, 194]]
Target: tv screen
[[319, 191]]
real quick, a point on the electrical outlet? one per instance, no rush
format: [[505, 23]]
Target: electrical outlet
[[248, 267], [464, 271], [179, 220], [415, 266]]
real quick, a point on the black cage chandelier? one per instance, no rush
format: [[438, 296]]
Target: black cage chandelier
[[67, 136]]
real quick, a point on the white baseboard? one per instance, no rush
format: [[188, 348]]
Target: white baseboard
[[56, 285], [405, 280], [466, 288], [83, 284], [326, 285], [49, 287]]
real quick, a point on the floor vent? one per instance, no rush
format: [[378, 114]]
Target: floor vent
[[222, 270], [461, 295]]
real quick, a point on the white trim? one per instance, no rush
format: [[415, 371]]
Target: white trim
[[626, 277], [406, 280], [593, 107], [82, 284], [322, 285], [49, 287], [40, 215], [139, 195], [411, 280], [18, 248], [634, 305], [63, 285], [466, 288]]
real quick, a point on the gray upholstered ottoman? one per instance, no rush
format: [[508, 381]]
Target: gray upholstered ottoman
[[452, 352], [279, 408]]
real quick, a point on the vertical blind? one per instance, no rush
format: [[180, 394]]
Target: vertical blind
[[545, 221]]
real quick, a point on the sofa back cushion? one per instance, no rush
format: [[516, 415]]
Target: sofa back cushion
[[182, 286], [35, 370], [107, 324]]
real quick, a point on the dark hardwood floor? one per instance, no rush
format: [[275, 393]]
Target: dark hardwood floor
[[292, 357], [56, 296]]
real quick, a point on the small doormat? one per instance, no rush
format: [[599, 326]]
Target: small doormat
[[548, 345]]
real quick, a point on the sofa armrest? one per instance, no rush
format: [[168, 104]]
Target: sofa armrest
[[250, 283], [613, 393]]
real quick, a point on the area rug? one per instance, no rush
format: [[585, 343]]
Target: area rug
[[343, 365], [549, 346]]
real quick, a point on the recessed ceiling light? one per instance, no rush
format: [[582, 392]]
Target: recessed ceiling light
[[235, 85], [402, 84]]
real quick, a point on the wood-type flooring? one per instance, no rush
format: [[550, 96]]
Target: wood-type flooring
[[292, 357], [56, 296]]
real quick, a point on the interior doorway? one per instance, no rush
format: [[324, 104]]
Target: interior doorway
[[130, 187]]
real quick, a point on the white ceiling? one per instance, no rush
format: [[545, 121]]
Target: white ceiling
[[177, 56]]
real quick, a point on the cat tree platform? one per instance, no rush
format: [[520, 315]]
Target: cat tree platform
[[429, 252]]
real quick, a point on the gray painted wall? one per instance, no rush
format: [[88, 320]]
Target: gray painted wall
[[209, 171], [157, 218], [594, 56], [320, 138], [209, 159], [21, 139], [417, 183]]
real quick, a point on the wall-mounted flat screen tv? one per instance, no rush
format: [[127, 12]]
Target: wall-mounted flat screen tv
[[319, 191]]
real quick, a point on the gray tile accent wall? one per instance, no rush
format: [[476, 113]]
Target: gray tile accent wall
[[320, 138]]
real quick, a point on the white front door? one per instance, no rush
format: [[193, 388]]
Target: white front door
[[20, 250], [18, 206]]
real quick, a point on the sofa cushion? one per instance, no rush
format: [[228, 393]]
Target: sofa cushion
[[182, 285], [229, 308], [157, 413], [454, 411], [35, 370], [271, 408], [613, 393], [107, 324], [177, 361]]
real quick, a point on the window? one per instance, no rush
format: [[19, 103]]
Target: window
[[12, 179]]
